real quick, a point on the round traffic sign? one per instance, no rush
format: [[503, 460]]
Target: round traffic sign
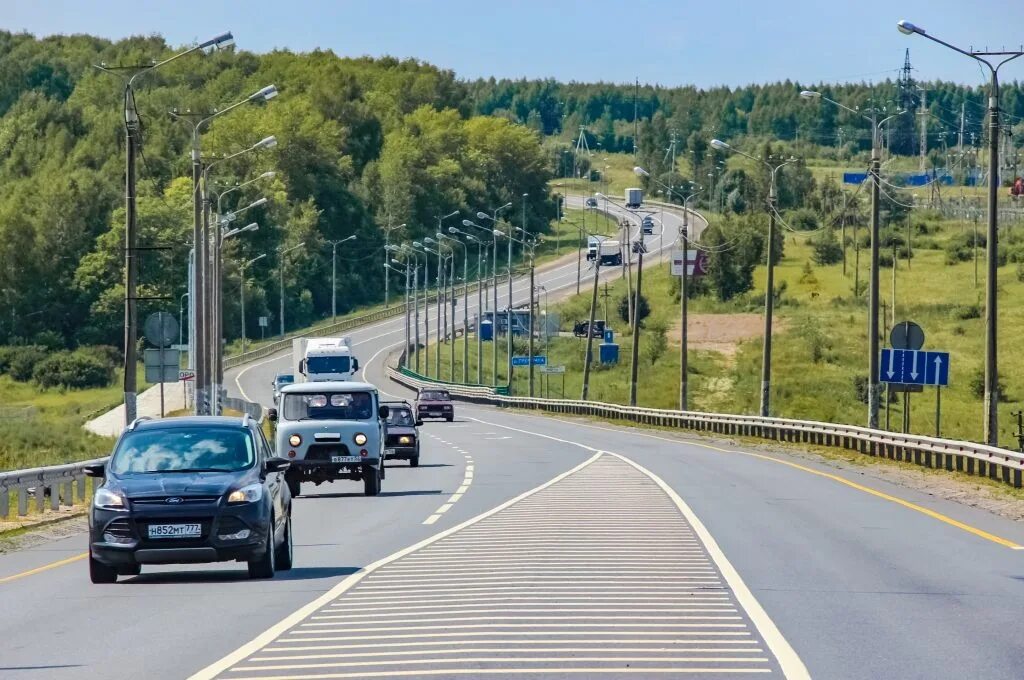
[[906, 335], [161, 329]]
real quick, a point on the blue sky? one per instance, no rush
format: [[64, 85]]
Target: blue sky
[[671, 42]]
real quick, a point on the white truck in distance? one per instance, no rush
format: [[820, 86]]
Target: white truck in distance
[[320, 359], [634, 197]]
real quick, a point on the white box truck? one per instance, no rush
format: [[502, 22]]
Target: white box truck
[[611, 253], [319, 359], [634, 197]]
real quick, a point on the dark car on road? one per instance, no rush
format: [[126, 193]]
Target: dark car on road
[[280, 380], [648, 225], [434, 403], [401, 435], [188, 490]]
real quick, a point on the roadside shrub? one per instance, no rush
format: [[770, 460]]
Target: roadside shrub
[[74, 370], [960, 247], [656, 342], [48, 339], [22, 361], [1020, 277], [860, 388], [643, 308], [977, 385], [803, 219], [105, 353], [965, 312]]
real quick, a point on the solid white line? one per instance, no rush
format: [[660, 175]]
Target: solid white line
[[552, 643], [523, 650], [430, 610], [502, 671], [322, 628], [302, 613], [528, 633], [505, 659]]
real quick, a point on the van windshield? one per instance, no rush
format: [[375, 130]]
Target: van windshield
[[328, 406], [327, 364]]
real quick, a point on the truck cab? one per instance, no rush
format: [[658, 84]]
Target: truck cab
[[323, 359], [331, 430]]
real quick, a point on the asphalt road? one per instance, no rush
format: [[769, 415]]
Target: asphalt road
[[533, 545]]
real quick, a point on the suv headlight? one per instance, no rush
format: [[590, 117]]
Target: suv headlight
[[105, 498], [247, 494], [359, 439]]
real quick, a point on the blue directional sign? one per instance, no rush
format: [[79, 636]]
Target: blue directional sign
[[525, 361], [914, 367]]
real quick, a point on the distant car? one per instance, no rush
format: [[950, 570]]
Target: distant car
[[400, 433], [280, 380], [579, 329], [434, 403], [648, 225], [591, 202], [184, 490]]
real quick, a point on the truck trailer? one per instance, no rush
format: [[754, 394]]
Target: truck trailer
[[634, 197]]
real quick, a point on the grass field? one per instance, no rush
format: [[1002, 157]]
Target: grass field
[[54, 434], [820, 349]]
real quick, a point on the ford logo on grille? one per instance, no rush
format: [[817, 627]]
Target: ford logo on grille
[[174, 500]]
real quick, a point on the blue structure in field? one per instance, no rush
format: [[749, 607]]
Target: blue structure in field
[[608, 351], [486, 331]]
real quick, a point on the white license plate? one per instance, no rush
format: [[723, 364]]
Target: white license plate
[[345, 459], [389, 452], [175, 530]]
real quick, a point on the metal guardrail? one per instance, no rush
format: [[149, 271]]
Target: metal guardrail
[[65, 485], [952, 455]]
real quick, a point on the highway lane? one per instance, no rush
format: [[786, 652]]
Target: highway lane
[[865, 579], [253, 381]]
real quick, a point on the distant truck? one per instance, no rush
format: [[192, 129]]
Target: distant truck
[[320, 359], [634, 197], [609, 251]]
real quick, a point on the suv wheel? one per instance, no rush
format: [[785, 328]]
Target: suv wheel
[[450, 418], [263, 567], [101, 573], [371, 480], [283, 558]]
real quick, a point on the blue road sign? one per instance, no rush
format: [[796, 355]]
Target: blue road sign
[[538, 360], [914, 367]]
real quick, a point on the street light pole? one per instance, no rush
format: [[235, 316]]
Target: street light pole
[[282, 251], [241, 293], [334, 273], [769, 296], [991, 243], [131, 126], [387, 242]]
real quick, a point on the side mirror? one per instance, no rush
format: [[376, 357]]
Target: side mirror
[[355, 364], [276, 464], [98, 470], [272, 415], [383, 412]]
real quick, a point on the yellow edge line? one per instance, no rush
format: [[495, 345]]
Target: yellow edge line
[[45, 567], [836, 478]]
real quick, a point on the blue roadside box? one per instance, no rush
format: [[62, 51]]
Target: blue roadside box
[[609, 353], [486, 331]]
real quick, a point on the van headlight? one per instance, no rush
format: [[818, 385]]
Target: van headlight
[[295, 440], [247, 494], [110, 500], [359, 439]]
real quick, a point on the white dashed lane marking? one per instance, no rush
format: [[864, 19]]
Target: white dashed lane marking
[[598, 574], [454, 498]]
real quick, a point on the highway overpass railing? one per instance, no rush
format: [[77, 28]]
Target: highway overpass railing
[[932, 452]]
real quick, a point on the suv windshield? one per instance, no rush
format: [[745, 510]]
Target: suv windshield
[[183, 449], [327, 365], [328, 406], [400, 417], [434, 396]]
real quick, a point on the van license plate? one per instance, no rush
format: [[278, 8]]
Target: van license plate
[[175, 530], [345, 459]]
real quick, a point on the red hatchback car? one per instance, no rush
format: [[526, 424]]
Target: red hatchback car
[[434, 403]]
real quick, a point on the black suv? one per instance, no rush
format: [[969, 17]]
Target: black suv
[[401, 435], [185, 490]]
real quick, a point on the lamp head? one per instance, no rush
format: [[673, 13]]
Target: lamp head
[[507, 205], [269, 174], [265, 94], [266, 143], [258, 202], [467, 223], [454, 230], [481, 216], [907, 28], [417, 244], [498, 232], [810, 94], [429, 240], [219, 42], [719, 144], [641, 172], [252, 226]]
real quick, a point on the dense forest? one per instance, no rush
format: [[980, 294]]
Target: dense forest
[[365, 145]]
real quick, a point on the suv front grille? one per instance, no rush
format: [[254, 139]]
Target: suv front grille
[[185, 500]]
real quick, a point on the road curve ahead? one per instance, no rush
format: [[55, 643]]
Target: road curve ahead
[[597, 572]]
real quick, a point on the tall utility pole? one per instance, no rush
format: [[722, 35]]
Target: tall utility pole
[[923, 113], [636, 118], [634, 359], [334, 273], [991, 414]]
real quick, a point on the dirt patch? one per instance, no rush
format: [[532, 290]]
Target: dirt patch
[[723, 333]]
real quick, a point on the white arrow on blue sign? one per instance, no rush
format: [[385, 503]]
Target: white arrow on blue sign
[[914, 367]]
